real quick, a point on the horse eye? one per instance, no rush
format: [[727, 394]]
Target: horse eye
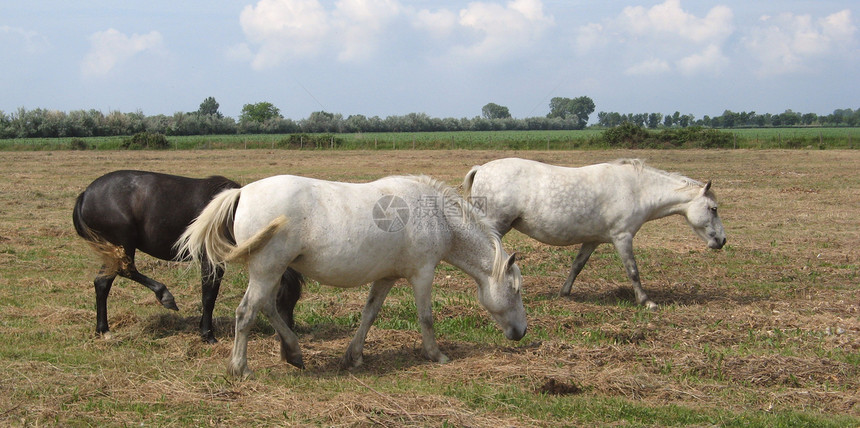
[[713, 210]]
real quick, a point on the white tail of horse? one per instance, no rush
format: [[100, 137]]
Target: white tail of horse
[[468, 180], [209, 238]]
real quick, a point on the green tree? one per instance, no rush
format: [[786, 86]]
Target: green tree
[[571, 108], [209, 107], [654, 120], [495, 111], [259, 112]]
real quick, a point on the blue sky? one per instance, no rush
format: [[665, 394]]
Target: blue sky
[[442, 58]]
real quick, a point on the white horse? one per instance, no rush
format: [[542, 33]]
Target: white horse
[[591, 205], [347, 235]]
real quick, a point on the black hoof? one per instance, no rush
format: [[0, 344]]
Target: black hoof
[[297, 362], [168, 302], [209, 338]]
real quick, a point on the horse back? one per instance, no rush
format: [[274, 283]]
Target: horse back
[[344, 234], [554, 204], [144, 210]]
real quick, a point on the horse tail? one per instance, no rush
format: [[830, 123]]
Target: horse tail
[[113, 256], [254, 243], [469, 180], [209, 238]]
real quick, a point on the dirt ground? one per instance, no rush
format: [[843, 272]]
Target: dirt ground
[[769, 325]]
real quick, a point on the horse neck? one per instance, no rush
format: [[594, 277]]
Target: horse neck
[[665, 194], [472, 250]]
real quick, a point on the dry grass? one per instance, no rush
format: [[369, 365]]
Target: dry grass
[[764, 332]]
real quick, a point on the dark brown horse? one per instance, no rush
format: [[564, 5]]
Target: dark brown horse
[[125, 211]]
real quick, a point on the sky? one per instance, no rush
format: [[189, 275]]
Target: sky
[[442, 58]]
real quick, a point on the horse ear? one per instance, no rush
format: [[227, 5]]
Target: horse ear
[[707, 187], [511, 260]]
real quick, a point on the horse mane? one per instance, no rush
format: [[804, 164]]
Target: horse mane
[[470, 216], [641, 167]]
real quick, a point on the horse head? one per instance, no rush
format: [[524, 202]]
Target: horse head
[[702, 216], [502, 298]]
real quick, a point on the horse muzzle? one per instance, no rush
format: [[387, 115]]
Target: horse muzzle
[[716, 243], [515, 333]]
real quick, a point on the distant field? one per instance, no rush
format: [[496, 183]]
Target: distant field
[[762, 138], [763, 333]]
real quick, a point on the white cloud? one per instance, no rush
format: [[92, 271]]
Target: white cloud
[[790, 43], [362, 23], [286, 29], [110, 48], [663, 38], [648, 67], [502, 30], [709, 61], [669, 18], [283, 29], [354, 30], [440, 23], [30, 42], [591, 36]]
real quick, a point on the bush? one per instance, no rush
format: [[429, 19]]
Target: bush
[[626, 135], [698, 137], [146, 140], [78, 144], [630, 136]]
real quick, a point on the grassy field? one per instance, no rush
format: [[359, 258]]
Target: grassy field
[[765, 332], [761, 138]]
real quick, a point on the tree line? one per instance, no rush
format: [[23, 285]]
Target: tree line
[[730, 119], [265, 118]]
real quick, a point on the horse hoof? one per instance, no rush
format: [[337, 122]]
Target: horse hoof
[[209, 338], [297, 362], [437, 357], [349, 362], [106, 335], [168, 302], [241, 373], [651, 306]]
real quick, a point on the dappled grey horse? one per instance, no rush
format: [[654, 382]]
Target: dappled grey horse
[[594, 204]]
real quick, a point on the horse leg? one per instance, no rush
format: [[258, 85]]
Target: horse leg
[[421, 287], [260, 295], [378, 291], [290, 351], [102, 283], [578, 263], [625, 250], [288, 295], [210, 285], [129, 270]]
